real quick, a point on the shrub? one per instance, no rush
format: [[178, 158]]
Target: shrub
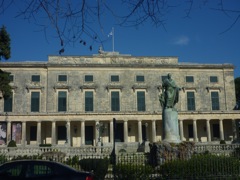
[[236, 153], [72, 160], [45, 145], [133, 171], [3, 159], [200, 166], [12, 143], [26, 157], [98, 166], [222, 142]]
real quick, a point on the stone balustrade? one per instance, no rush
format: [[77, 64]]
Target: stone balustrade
[[69, 151], [216, 148], [95, 150]]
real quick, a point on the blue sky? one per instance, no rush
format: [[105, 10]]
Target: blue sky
[[198, 39]]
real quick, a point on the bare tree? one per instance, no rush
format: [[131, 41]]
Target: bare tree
[[82, 21]]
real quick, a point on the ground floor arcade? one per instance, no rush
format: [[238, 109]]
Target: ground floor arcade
[[97, 129]]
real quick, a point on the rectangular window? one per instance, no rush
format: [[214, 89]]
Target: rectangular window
[[140, 78], [213, 79], [11, 78], [189, 79], [62, 78], [62, 133], [163, 78], [88, 101], [62, 101], [35, 101], [88, 78], [8, 103], [215, 100], [141, 101], [114, 78], [190, 101], [33, 133], [35, 78], [115, 103]]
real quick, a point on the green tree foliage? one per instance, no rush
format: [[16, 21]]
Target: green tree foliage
[[5, 88], [98, 166], [5, 52], [5, 49]]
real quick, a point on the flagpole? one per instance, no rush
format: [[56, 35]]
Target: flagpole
[[113, 38]]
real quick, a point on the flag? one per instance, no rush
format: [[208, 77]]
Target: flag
[[111, 33]]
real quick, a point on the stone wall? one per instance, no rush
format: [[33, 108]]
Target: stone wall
[[127, 67]]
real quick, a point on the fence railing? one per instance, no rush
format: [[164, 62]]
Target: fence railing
[[207, 161]]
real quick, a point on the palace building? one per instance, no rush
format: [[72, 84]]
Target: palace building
[[72, 100]]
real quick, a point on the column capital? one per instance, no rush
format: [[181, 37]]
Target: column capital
[[125, 120]]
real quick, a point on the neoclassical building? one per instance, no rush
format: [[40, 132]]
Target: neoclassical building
[[72, 100]]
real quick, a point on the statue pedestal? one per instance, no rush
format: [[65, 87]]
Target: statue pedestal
[[170, 126]]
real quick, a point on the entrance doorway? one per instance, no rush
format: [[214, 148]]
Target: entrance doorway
[[89, 135]]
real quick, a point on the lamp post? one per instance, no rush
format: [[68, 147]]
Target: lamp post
[[99, 127]]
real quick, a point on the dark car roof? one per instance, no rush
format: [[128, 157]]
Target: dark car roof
[[44, 161]]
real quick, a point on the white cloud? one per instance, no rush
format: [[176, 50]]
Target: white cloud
[[182, 40]]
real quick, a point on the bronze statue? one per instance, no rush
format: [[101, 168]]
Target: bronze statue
[[168, 99], [170, 94]]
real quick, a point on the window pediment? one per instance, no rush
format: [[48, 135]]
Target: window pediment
[[88, 86], [61, 87], [34, 87], [114, 86], [140, 86], [214, 88], [189, 88]]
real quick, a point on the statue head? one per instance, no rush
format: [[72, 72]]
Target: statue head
[[169, 76]]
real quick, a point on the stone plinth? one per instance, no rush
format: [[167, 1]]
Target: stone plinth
[[170, 126]]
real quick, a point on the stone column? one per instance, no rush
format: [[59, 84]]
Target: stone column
[[111, 132], [140, 131], [208, 130], [195, 130], [82, 132], [53, 132], [68, 127], [23, 133], [153, 130], [39, 134], [221, 129], [146, 129], [125, 131], [181, 129], [8, 132]]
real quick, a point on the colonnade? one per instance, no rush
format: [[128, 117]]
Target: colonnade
[[151, 130]]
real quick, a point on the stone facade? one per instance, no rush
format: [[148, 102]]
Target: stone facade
[[202, 124]]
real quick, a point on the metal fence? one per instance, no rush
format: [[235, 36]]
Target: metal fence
[[210, 162]]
